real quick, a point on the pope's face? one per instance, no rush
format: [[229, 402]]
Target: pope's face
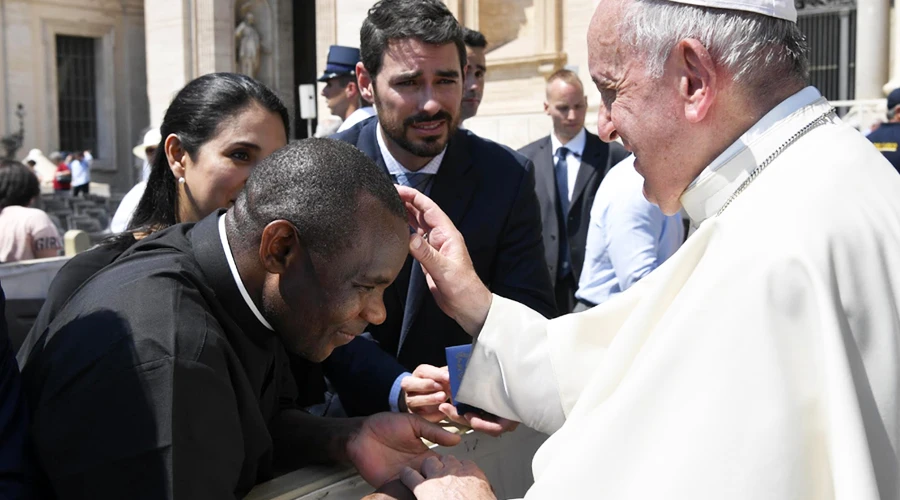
[[640, 110]]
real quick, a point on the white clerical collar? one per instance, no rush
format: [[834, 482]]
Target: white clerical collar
[[394, 167], [720, 179], [237, 276], [575, 145]]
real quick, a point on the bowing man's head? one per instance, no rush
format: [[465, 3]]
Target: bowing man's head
[[318, 233]]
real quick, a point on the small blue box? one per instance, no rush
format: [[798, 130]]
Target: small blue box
[[457, 359]]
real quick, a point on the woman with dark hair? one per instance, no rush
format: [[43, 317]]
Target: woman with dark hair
[[25, 233], [218, 127]]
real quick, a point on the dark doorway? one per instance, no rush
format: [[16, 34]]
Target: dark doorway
[[304, 57], [76, 69]]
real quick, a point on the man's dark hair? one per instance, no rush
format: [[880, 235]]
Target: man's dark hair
[[344, 80], [427, 20], [195, 116], [315, 184], [474, 38], [18, 184]]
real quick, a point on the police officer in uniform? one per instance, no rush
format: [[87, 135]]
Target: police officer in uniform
[[887, 136]]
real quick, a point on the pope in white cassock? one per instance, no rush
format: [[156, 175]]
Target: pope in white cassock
[[761, 361]]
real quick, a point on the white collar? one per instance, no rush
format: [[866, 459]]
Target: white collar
[[394, 167], [237, 276], [720, 179], [575, 145]]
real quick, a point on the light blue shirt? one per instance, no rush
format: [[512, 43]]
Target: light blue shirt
[[628, 236], [81, 170]]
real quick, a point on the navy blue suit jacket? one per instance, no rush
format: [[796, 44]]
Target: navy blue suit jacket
[[487, 190]]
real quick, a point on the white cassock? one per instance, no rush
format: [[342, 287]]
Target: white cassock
[[759, 362]]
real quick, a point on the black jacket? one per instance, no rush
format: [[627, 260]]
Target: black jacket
[[597, 158]]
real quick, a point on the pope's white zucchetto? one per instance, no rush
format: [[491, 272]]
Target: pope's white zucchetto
[[782, 9]]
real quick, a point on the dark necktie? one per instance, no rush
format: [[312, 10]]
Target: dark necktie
[[417, 287], [562, 194], [562, 179]]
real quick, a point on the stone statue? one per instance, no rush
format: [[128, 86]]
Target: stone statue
[[12, 142], [249, 49]]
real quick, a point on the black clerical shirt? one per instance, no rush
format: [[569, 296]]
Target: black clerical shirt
[[156, 380]]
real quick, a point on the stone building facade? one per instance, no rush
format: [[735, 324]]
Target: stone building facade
[[145, 50], [108, 80]]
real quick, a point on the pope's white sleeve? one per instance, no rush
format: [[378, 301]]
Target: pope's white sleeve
[[510, 372]]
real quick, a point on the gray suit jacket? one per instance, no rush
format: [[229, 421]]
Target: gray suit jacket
[[598, 157]]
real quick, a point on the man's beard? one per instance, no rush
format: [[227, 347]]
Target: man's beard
[[428, 147]]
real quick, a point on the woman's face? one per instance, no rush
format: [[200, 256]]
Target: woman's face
[[216, 173]]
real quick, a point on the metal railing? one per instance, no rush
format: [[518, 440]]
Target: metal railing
[[862, 114]]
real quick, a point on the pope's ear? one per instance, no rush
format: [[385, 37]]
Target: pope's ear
[[697, 78], [279, 246], [366, 82]]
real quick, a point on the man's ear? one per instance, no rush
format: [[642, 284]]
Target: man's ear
[[697, 78], [175, 153], [352, 90], [365, 82], [546, 107], [279, 246]]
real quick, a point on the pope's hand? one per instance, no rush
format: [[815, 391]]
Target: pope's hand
[[385, 443], [425, 390], [486, 423], [456, 287], [447, 477]]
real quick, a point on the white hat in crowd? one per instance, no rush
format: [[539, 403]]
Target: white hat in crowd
[[151, 140]]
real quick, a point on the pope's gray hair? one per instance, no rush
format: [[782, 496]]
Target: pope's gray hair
[[759, 51]]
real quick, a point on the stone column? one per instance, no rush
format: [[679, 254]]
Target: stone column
[[185, 39], [214, 35], [872, 47], [167, 25], [4, 72], [895, 53]]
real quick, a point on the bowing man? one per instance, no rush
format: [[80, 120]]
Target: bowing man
[[165, 376]]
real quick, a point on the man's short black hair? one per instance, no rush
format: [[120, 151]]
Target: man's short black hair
[[315, 184], [427, 20], [474, 38], [344, 80], [18, 184]]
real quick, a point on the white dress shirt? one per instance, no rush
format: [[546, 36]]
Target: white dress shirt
[[573, 158], [81, 170]]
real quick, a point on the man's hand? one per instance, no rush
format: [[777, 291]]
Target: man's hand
[[456, 287], [425, 390], [447, 477], [387, 442], [487, 423]]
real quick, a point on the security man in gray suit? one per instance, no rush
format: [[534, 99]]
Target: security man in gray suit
[[569, 165]]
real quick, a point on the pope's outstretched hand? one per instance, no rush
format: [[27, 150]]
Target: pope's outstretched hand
[[451, 276]]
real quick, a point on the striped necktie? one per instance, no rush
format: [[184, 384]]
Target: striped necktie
[[416, 180]]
